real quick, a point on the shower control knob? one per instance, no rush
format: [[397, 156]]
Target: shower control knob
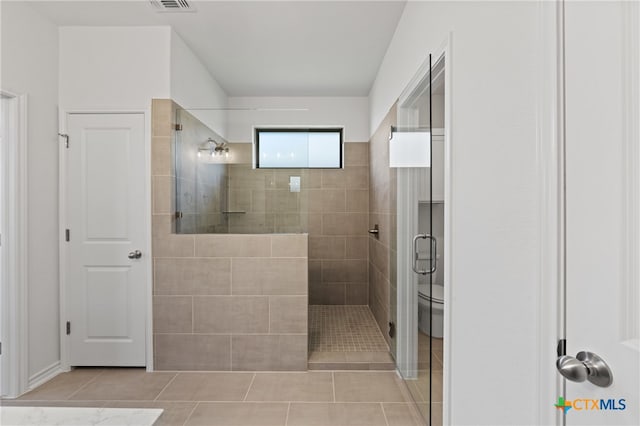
[[135, 254], [585, 366]]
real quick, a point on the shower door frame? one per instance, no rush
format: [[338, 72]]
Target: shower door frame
[[406, 316]]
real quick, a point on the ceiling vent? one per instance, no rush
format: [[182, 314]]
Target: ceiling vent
[[172, 6]]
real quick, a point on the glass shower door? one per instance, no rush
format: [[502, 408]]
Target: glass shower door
[[415, 145]]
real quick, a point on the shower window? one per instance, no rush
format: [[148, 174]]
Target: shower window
[[298, 148]]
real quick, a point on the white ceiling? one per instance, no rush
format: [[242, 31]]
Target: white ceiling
[[265, 48]]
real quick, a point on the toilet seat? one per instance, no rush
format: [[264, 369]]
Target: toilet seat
[[437, 296]]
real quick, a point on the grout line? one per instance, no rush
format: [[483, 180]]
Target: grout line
[[249, 388], [286, 420], [191, 413], [166, 386], [384, 414], [93, 379]]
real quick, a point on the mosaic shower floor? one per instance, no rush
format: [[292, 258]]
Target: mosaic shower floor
[[346, 338], [344, 329]]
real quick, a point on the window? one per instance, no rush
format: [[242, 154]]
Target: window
[[298, 148]]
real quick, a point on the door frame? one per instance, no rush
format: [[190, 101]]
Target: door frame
[[14, 284], [443, 52], [550, 141], [63, 218]]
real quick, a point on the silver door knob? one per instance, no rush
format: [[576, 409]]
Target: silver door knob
[[585, 366], [135, 254]]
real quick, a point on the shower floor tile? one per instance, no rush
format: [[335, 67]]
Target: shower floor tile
[[344, 329]]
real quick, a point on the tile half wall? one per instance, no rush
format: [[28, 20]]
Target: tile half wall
[[222, 302]]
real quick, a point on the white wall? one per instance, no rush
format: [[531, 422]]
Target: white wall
[[113, 68], [495, 228], [192, 86], [30, 66], [350, 112]]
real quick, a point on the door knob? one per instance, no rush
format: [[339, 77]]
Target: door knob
[[585, 366], [135, 254]]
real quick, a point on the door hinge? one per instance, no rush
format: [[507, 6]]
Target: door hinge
[[66, 139], [0, 348], [68, 327], [392, 330], [562, 347], [178, 127], [67, 235]]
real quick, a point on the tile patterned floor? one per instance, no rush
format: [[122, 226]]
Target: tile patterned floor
[[344, 329], [419, 387], [328, 398]]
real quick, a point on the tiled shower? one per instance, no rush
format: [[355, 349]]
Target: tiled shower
[[251, 276]]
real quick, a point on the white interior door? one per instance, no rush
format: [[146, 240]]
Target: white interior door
[[602, 118], [106, 288]]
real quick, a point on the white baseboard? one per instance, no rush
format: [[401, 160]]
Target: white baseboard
[[44, 375]]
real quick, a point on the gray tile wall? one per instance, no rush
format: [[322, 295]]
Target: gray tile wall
[[222, 302], [333, 207], [338, 206], [382, 211]]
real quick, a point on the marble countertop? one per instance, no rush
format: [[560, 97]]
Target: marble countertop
[[72, 416]]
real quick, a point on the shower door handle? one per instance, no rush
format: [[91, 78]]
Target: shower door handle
[[434, 250]]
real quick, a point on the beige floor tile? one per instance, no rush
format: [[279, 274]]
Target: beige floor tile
[[322, 356], [207, 387], [239, 414], [419, 387], [436, 386], [424, 361], [125, 384], [331, 366], [374, 357], [368, 387], [306, 386], [306, 398], [437, 344], [416, 390], [438, 354], [344, 414], [63, 385], [49, 403], [436, 414], [174, 414], [423, 408], [400, 414]]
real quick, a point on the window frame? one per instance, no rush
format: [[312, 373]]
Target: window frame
[[256, 144]]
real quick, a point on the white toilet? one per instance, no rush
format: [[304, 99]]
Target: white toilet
[[436, 301]]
